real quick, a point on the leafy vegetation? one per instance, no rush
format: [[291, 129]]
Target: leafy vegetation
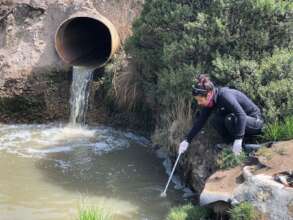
[[244, 211], [227, 159], [93, 213], [189, 212], [279, 130]]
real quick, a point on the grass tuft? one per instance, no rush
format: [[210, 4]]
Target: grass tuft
[[227, 159], [277, 130], [189, 212], [244, 211], [94, 213]]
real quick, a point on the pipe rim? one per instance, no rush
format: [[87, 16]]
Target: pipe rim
[[114, 37]]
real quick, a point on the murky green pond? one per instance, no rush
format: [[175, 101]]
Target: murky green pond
[[48, 171]]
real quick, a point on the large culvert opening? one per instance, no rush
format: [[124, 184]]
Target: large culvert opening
[[84, 41]]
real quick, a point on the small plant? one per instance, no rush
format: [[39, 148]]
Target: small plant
[[273, 131], [189, 212], [288, 127], [227, 159], [94, 213], [244, 211], [279, 130]]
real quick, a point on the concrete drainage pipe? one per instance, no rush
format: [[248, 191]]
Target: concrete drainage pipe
[[86, 39]]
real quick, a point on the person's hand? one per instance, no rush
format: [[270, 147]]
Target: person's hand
[[183, 147], [237, 147]]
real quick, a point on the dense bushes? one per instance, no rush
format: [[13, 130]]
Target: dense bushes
[[242, 44]]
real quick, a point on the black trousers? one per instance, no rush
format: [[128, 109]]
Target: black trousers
[[225, 125]]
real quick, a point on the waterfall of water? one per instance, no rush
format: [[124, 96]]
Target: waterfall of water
[[79, 94]]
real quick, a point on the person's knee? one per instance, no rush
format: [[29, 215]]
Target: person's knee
[[254, 126]]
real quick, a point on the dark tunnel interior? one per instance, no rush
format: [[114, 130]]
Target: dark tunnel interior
[[86, 42]]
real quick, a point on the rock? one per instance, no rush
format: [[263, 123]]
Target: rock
[[279, 159], [199, 163], [257, 186], [220, 186]]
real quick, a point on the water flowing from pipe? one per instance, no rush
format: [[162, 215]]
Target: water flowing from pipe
[[81, 76]]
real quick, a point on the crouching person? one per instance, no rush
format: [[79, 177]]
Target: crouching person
[[235, 115]]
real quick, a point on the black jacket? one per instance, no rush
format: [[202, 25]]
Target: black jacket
[[227, 101]]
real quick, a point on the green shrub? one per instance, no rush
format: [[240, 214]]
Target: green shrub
[[243, 211], [189, 212], [227, 159], [277, 130], [94, 213], [275, 77], [288, 127]]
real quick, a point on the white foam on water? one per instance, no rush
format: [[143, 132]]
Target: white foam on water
[[49, 150], [69, 134], [39, 140]]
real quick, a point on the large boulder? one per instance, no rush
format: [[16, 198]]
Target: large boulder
[[268, 187]]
